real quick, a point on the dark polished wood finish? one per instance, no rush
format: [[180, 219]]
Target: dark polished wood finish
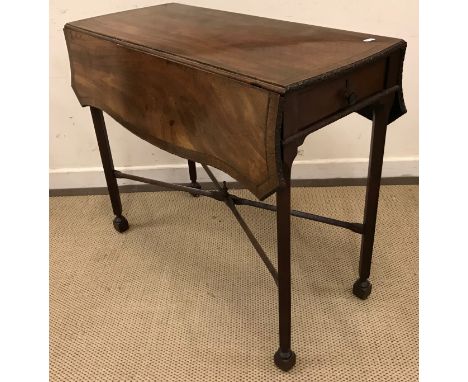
[[193, 176], [120, 222], [239, 93], [195, 114], [362, 288], [284, 358], [211, 86], [273, 54]]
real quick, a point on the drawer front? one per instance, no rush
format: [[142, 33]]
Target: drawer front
[[328, 97]]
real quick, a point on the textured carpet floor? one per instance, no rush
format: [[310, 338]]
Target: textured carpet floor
[[183, 296]]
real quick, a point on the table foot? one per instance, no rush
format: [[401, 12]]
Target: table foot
[[285, 361], [195, 185], [120, 223], [362, 289]]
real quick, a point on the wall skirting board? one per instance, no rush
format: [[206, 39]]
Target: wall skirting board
[[346, 168]]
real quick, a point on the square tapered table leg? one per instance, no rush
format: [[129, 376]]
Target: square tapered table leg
[[284, 358], [362, 287], [120, 222]]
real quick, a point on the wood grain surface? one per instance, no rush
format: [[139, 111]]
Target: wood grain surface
[[198, 115], [226, 89], [275, 54]]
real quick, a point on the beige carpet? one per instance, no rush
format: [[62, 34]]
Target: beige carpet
[[183, 296]]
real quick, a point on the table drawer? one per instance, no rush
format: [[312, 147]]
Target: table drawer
[[328, 97]]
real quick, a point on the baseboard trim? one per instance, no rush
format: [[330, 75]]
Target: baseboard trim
[[316, 173], [338, 182]]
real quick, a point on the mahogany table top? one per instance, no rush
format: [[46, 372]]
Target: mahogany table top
[[233, 91], [272, 53]]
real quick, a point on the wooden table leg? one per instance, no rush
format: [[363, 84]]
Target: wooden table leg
[[362, 287], [193, 176], [284, 358], [120, 223]]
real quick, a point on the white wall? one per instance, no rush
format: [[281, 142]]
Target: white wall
[[339, 150]]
